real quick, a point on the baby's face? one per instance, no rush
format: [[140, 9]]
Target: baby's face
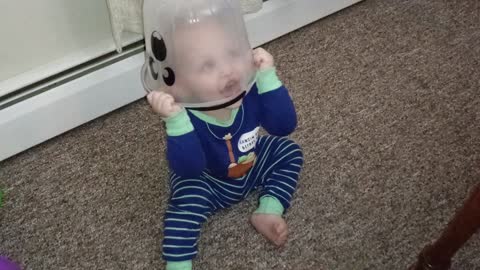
[[210, 64]]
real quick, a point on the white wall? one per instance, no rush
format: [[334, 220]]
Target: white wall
[[42, 38], [38, 32]]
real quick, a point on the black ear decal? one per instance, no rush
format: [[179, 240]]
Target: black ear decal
[[151, 64], [159, 48], [169, 79]]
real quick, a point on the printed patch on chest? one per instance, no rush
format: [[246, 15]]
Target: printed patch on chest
[[248, 140]]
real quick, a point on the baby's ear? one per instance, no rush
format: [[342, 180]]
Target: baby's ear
[[153, 68]]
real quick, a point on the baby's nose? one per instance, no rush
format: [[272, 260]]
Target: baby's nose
[[227, 70]]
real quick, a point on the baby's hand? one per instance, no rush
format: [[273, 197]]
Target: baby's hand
[[163, 104], [262, 59]]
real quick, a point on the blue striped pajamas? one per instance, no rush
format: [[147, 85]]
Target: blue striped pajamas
[[192, 201]]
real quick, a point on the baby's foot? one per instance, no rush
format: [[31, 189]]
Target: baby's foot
[[273, 227]]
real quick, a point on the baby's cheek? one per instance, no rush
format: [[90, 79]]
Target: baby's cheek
[[208, 85], [245, 69], [237, 65]]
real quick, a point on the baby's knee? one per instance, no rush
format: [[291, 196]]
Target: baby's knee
[[196, 198], [292, 150]]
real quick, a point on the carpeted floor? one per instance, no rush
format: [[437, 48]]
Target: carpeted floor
[[388, 102]]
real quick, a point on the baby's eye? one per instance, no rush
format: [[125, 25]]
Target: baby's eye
[[207, 65], [233, 53]]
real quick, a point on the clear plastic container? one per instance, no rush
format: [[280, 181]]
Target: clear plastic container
[[197, 51]]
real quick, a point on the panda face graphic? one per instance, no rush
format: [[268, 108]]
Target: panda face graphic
[[159, 50]]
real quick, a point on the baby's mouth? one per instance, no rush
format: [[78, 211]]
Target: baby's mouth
[[231, 88]]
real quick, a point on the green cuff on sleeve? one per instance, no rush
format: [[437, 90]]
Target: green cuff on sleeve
[[270, 205], [183, 265], [179, 124], [267, 80]]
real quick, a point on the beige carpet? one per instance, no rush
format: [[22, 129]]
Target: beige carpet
[[388, 101]]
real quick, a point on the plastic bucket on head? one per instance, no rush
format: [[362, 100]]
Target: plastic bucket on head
[[197, 51]]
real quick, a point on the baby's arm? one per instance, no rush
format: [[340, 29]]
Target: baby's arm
[[277, 112], [184, 150]]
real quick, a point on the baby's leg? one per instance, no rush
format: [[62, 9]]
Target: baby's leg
[[190, 205], [280, 161]]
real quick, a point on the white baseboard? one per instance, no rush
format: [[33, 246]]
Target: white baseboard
[[67, 106]]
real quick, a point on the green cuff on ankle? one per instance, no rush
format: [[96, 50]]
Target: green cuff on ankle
[[183, 265], [270, 205]]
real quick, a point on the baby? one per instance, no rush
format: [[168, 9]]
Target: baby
[[216, 157]]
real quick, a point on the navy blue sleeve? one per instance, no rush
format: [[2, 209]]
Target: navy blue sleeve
[[277, 112], [185, 155]]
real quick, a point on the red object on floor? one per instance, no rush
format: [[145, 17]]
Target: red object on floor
[[438, 256]]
